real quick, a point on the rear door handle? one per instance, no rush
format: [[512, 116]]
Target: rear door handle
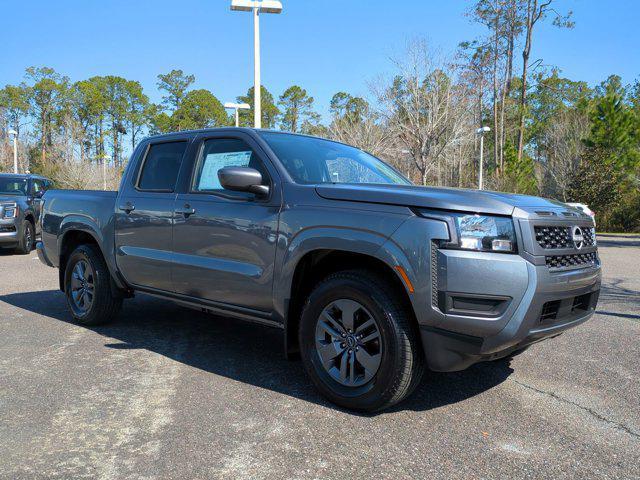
[[186, 210], [127, 208]]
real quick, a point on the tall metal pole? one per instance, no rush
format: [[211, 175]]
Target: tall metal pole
[[480, 184], [257, 105], [237, 118], [15, 153]]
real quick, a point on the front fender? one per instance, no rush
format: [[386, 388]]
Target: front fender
[[410, 246], [358, 232]]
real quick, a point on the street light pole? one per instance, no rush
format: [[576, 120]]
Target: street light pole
[[236, 107], [15, 149], [257, 7], [481, 131], [257, 97]]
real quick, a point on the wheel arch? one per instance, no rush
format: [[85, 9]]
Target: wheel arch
[[29, 216], [72, 235], [317, 264]]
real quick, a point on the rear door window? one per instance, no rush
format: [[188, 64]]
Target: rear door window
[[161, 167]]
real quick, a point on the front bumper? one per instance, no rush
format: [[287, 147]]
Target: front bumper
[[42, 254], [10, 233], [472, 306], [527, 304]]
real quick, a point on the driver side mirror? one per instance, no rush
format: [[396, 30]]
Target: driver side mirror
[[243, 179], [39, 194]]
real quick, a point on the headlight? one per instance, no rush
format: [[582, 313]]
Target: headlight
[[9, 210], [484, 233]]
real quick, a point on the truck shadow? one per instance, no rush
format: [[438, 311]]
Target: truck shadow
[[247, 353]]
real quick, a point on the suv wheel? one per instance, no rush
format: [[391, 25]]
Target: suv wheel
[[28, 238], [358, 342], [88, 287]]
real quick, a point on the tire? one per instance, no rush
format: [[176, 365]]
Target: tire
[[396, 348], [93, 305], [25, 246]]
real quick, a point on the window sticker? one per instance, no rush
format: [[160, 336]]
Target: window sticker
[[214, 162]]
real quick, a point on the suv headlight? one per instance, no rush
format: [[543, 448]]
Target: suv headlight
[[10, 210], [483, 233]]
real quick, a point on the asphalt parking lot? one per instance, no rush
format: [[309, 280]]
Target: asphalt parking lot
[[166, 392]]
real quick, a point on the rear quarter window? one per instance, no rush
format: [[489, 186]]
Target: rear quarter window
[[161, 167]]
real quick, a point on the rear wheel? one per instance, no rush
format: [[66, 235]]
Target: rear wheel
[[358, 342], [88, 287], [25, 246]]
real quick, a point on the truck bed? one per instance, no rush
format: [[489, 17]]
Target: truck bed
[[63, 208]]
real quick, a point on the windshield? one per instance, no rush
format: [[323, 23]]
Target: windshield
[[13, 186], [312, 160]]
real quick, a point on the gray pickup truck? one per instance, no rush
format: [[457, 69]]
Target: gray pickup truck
[[20, 201], [371, 278]]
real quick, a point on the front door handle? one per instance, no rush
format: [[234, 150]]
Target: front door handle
[[186, 210], [127, 208]]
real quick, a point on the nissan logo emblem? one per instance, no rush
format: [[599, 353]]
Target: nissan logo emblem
[[577, 237]]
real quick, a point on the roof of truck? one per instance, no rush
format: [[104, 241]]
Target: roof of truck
[[219, 129], [22, 175]]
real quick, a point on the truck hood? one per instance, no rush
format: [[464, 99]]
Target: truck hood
[[443, 198], [11, 199]]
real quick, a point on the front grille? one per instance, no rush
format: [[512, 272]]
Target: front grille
[[550, 311], [558, 311], [7, 228], [589, 235], [552, 237], [580, 260], [581, 303]]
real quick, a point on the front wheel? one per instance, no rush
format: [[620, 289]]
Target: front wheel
[[25, 246], [88, 287], [358, 341]]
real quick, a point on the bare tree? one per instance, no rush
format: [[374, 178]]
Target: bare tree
[[86, 176], [365, 132], [564, 142], [422, 110]]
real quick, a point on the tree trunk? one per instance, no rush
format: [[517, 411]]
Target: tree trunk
[[496, 44], [423, 172], [506, 89], [460, 167], [133, 137], [43, 146], [534, 12], [114, 126]]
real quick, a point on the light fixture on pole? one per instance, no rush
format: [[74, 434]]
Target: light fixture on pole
[[257, 7], [236, 107], [481, 131], [14, 134]]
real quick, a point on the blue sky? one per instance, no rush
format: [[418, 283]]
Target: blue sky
[[325, 46]]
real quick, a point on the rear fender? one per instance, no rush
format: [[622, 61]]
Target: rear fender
[[80, 223]]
